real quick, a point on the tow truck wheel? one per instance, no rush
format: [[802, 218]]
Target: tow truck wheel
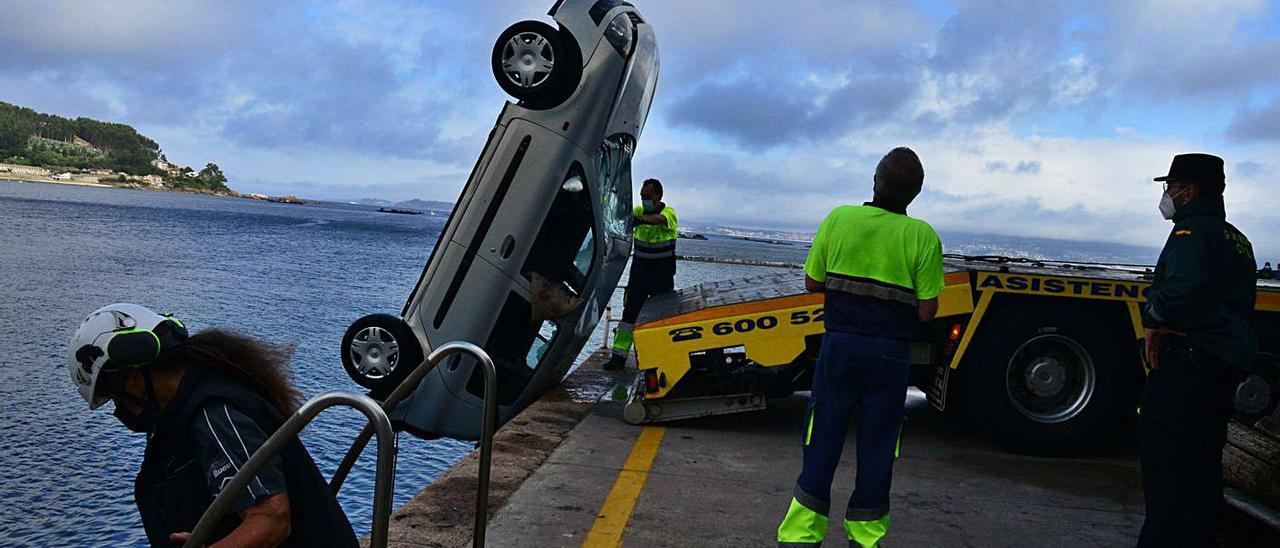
[[379, 351], [536, 64], [1051, 380], [1258, 393]]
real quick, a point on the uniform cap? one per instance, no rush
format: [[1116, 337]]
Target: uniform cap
[[1195, 167]]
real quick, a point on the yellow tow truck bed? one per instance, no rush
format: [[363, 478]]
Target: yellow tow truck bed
[[724, 347]]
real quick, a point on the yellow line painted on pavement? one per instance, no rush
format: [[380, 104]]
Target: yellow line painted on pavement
[[612, 518]]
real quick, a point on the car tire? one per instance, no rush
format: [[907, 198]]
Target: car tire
[[379, 351], [537, 64], [1051, 380]]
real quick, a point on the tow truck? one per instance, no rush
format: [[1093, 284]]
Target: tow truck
[[1046, 355]]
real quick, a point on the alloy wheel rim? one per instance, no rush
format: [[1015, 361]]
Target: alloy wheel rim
[[528, 59], [375, 352]]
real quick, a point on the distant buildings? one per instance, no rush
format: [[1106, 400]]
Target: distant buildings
[[172, 171], [28, 171]]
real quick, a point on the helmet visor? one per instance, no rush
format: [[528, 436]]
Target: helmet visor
[[110, 384]]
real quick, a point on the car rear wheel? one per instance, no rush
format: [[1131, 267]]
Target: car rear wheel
[[1051, 380], [537, 64], [379, 351]]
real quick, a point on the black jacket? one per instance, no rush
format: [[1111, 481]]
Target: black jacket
[[172, 491], [1205, 284]]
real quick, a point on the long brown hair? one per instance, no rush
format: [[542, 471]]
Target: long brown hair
[[261, 365]]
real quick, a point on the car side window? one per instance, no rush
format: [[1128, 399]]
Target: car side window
[[583, 261], [541, 342], [613, 178]]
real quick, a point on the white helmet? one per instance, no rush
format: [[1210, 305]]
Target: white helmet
[[121, 335]]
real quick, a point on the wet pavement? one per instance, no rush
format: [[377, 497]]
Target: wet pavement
[[570, 472], [443, 513], [727, 481]]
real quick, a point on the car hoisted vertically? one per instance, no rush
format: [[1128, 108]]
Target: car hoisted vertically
[[539, 237]]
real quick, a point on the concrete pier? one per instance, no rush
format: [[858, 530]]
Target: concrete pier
[[726, 481], [570, 472]]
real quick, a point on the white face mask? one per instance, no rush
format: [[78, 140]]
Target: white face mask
[[1167, 207]]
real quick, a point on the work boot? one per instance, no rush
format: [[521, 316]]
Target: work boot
[[615, 363]]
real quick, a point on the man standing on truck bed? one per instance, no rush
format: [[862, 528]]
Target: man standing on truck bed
[[653, 264], [881, 272], [1198, 342]]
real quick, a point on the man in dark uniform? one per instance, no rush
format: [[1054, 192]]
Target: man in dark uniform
[[1199, 341]]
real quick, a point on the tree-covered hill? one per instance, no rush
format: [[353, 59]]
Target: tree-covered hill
[[33, 138], [36, 139]]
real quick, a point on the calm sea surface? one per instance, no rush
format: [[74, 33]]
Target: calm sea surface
[[287, 273]]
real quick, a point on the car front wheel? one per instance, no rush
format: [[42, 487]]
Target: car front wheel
[[537, 64]]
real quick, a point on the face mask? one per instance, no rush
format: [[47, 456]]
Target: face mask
[[1167, 207], [143, 421], [649, 206], [140, 423]]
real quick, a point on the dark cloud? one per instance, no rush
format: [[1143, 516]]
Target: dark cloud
[[1257, 124], [989, 61], [1005, 55], [1251, 170], [1181, 51], [273, 75], [761, 114], [712, 36], [1030, 167]]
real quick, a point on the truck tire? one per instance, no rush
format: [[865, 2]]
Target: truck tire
[[1258, 393], [1052, 379]]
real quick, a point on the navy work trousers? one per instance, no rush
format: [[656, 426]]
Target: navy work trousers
[[867, 375], [1183, 427]]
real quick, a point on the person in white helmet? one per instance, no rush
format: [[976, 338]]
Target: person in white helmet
[[206, 402]]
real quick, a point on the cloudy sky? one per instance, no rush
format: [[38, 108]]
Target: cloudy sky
[[1032, 117]]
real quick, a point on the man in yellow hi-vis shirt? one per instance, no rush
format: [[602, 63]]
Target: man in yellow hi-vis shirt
[[653, 264], [881, 272]]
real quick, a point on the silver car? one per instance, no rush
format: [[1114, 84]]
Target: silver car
[[541, 233]]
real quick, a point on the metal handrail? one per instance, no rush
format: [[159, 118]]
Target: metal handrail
[[487, 426], [384, 479]]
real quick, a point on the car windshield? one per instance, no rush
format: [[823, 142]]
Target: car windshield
[[613, 169]]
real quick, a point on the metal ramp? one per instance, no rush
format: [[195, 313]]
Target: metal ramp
[[379, 425]]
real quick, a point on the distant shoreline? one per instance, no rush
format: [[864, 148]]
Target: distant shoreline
[[30, 179], [44, 180]]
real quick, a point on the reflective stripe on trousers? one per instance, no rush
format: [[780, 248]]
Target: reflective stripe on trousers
[[806, 521], [805, 526], [622, 339], [866, 534]]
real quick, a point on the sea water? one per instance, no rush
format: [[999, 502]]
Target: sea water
[[292, 274]]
